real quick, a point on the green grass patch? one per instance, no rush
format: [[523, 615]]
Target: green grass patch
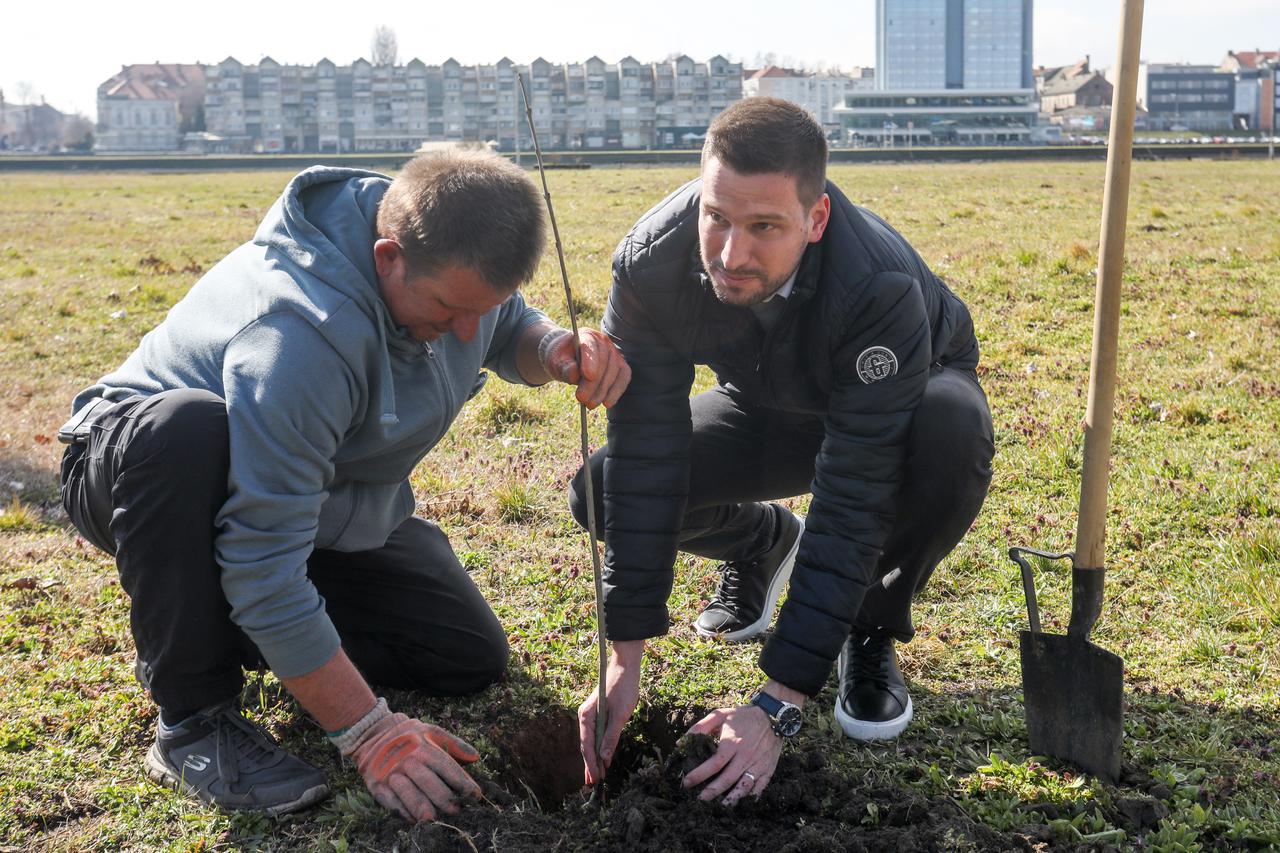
[[1193, 600]]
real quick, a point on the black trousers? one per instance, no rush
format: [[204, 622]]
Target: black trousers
[[743, 454], [146, 487]]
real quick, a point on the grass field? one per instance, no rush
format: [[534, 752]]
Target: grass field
[[88, 263]]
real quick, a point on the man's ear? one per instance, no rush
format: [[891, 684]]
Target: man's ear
[[819, 216], [388, 258]]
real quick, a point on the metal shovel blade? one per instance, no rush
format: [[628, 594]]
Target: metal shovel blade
[[1073, 691]]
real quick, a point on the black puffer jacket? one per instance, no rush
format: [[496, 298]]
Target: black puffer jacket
[[865, 323]]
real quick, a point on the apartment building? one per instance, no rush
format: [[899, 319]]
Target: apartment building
[[819, 92], [275, 108]]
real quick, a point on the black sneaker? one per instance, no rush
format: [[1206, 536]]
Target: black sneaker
[[873, 701], [748, 590], [224, 760]]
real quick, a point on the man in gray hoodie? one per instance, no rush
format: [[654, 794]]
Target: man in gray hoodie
[[248, 467]]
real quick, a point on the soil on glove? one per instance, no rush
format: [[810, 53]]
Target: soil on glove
[[807, 807]]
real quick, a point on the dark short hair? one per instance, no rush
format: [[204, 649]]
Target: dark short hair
[[768, 136], [466, 208]]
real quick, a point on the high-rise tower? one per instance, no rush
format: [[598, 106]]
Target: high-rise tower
[[953, 44]]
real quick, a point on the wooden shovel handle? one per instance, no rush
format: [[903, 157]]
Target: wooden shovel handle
[[1092, 524]]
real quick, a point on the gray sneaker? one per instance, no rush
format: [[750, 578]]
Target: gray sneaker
[[226, 761], [749, 589]]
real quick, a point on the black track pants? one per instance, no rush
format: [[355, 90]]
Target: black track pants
[[146, 487], [743, 455]]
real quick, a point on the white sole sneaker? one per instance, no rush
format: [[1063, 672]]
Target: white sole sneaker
[[757, 627], [868, 729], [871, 730]]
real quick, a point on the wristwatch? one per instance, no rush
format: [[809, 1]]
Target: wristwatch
[[783, 716]]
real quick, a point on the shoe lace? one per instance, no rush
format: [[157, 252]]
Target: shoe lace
[[730, 582], [870, 661], [240, 743]]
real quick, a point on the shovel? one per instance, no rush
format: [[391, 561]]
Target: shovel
[[1073, 690]]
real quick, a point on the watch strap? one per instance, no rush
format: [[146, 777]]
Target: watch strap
[[771, 705], [774, 707]]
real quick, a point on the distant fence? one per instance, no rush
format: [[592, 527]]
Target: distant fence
[[586, 159]]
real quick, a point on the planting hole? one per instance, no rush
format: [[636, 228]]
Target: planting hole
[[539, 757]]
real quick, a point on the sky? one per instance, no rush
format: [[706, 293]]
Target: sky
[[94, 38]]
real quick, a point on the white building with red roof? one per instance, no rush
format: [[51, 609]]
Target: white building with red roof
[[147, 108]]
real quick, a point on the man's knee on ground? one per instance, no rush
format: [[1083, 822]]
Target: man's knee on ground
[[488, 666], [485, 664], [439, 670]]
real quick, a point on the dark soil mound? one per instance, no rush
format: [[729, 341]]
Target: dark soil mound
[[808, 807]]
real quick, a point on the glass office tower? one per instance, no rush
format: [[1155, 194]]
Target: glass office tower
[[953, 44]]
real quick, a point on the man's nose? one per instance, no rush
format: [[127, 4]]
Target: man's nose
[[465, 326], [736, 252]]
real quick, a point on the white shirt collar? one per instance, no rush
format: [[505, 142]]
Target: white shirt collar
[[785, 291]]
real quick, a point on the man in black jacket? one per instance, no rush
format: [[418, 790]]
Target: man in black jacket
[[845, 369]]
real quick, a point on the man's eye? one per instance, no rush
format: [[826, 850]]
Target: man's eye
[[715, 217], [764, 226]]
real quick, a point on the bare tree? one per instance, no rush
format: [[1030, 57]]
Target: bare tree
[[26, 91], [383, 46]]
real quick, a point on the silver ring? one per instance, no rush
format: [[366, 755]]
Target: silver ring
[[750, 776]]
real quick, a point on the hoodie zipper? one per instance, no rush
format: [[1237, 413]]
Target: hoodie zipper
[[446, 390]]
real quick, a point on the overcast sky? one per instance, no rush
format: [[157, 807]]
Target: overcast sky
[[64, 49]]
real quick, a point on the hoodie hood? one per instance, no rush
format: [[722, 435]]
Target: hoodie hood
[[325, 223]]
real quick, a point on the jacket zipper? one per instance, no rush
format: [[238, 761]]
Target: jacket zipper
[[768, 339]]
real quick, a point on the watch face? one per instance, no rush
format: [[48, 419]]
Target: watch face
[[789, 721]]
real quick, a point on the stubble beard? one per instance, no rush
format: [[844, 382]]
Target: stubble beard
[[740, 300]]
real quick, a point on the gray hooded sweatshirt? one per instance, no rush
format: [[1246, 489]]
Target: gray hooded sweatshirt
[[330, 405]]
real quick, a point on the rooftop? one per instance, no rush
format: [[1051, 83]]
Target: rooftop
[[154, 82]]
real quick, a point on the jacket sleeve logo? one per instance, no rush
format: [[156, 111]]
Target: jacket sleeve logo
[[876, 363]]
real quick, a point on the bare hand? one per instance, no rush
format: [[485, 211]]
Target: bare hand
[[604, 375], [413, 768], [622, 683], [745, 760]]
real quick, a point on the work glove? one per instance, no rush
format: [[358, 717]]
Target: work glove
[[413, 768]]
